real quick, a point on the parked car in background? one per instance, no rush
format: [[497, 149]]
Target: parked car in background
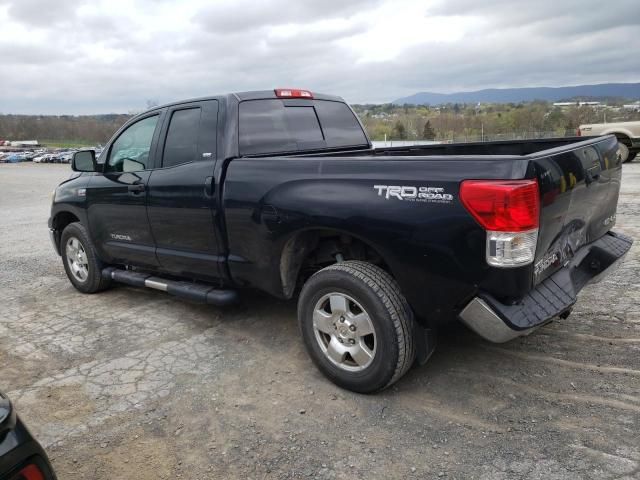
[[42, 156], [21, 456], [65, 157], [15, 158], [627, 133]]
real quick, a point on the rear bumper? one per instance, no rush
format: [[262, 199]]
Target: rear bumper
[[500, 323]]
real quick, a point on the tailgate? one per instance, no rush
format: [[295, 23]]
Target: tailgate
[[579, 195]]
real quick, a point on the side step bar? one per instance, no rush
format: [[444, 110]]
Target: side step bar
[[192, 291]]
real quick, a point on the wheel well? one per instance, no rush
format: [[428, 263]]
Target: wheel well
[[62, 219], [309, 251], [623, 138]]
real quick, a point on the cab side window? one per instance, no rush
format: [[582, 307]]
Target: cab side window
[[181, 145], [130, 152]]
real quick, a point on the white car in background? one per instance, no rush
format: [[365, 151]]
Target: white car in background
[[628, 134]]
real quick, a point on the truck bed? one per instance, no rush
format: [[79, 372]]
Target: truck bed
[[502, 148], [435, 249]]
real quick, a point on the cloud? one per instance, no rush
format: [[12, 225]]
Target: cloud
[[113, 55], [558, 18], [41, 14], [242, 15]]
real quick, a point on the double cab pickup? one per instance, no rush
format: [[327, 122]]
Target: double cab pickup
[[281, 191]]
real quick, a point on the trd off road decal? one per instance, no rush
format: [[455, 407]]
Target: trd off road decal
[[413, 194]]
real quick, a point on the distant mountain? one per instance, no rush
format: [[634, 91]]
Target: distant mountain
[[515, 95]]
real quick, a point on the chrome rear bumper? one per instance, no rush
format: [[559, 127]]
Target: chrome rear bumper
[[499, 323], [480, 318]]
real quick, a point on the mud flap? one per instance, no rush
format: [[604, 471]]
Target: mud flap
[[426, 340]]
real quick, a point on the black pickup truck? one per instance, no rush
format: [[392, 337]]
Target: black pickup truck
[[281, 191]]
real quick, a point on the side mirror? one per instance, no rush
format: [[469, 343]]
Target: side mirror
[[84, 161]]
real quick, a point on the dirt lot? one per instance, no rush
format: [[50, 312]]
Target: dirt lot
[[137, 384]]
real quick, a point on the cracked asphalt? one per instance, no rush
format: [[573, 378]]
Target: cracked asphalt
[[132, 383]]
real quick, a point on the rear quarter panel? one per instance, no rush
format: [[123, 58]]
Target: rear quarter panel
[[434, 248]]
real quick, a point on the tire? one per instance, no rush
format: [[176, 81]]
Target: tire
[[81, 263], [624, 152], [338, 307], [631, 157]]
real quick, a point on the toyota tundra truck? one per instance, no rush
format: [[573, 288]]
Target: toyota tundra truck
[[281, 191]]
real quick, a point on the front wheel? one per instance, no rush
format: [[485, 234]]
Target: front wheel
[[80, 260], [357, 326]]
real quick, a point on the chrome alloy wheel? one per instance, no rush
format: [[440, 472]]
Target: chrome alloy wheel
[[344, 332], [77, 259]]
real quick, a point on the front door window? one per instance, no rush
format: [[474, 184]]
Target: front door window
[[130, 152]]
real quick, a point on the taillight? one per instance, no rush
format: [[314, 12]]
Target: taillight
[[509, 210], [502, 205], [578, 133], [292, 93], [30, 472]]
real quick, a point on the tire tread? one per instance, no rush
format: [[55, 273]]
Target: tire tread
[[96, 282], [388, 291]]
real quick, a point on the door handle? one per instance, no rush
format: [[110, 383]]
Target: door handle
[[208, 186], [136, 188]]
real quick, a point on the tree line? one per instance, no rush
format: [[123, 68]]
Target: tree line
[[459, 122], [462, 122], [83, 129]]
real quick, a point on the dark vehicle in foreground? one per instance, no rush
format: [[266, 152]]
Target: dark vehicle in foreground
[[281, 191], [21, 456]]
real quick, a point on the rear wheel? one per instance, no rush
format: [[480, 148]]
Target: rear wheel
[[357, 326], [631, 157], [80, 260]]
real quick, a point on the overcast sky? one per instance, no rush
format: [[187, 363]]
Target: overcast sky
[[99, 56]]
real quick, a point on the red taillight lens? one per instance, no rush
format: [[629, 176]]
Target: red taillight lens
[[292, 93], [30, 472], [502, 205], [578, 133]]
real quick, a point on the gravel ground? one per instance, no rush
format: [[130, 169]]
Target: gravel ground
[[137, 384]]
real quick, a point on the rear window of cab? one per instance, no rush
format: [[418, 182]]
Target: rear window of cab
[[281, 126]]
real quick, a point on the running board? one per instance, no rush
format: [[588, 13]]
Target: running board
[[192, 291]]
